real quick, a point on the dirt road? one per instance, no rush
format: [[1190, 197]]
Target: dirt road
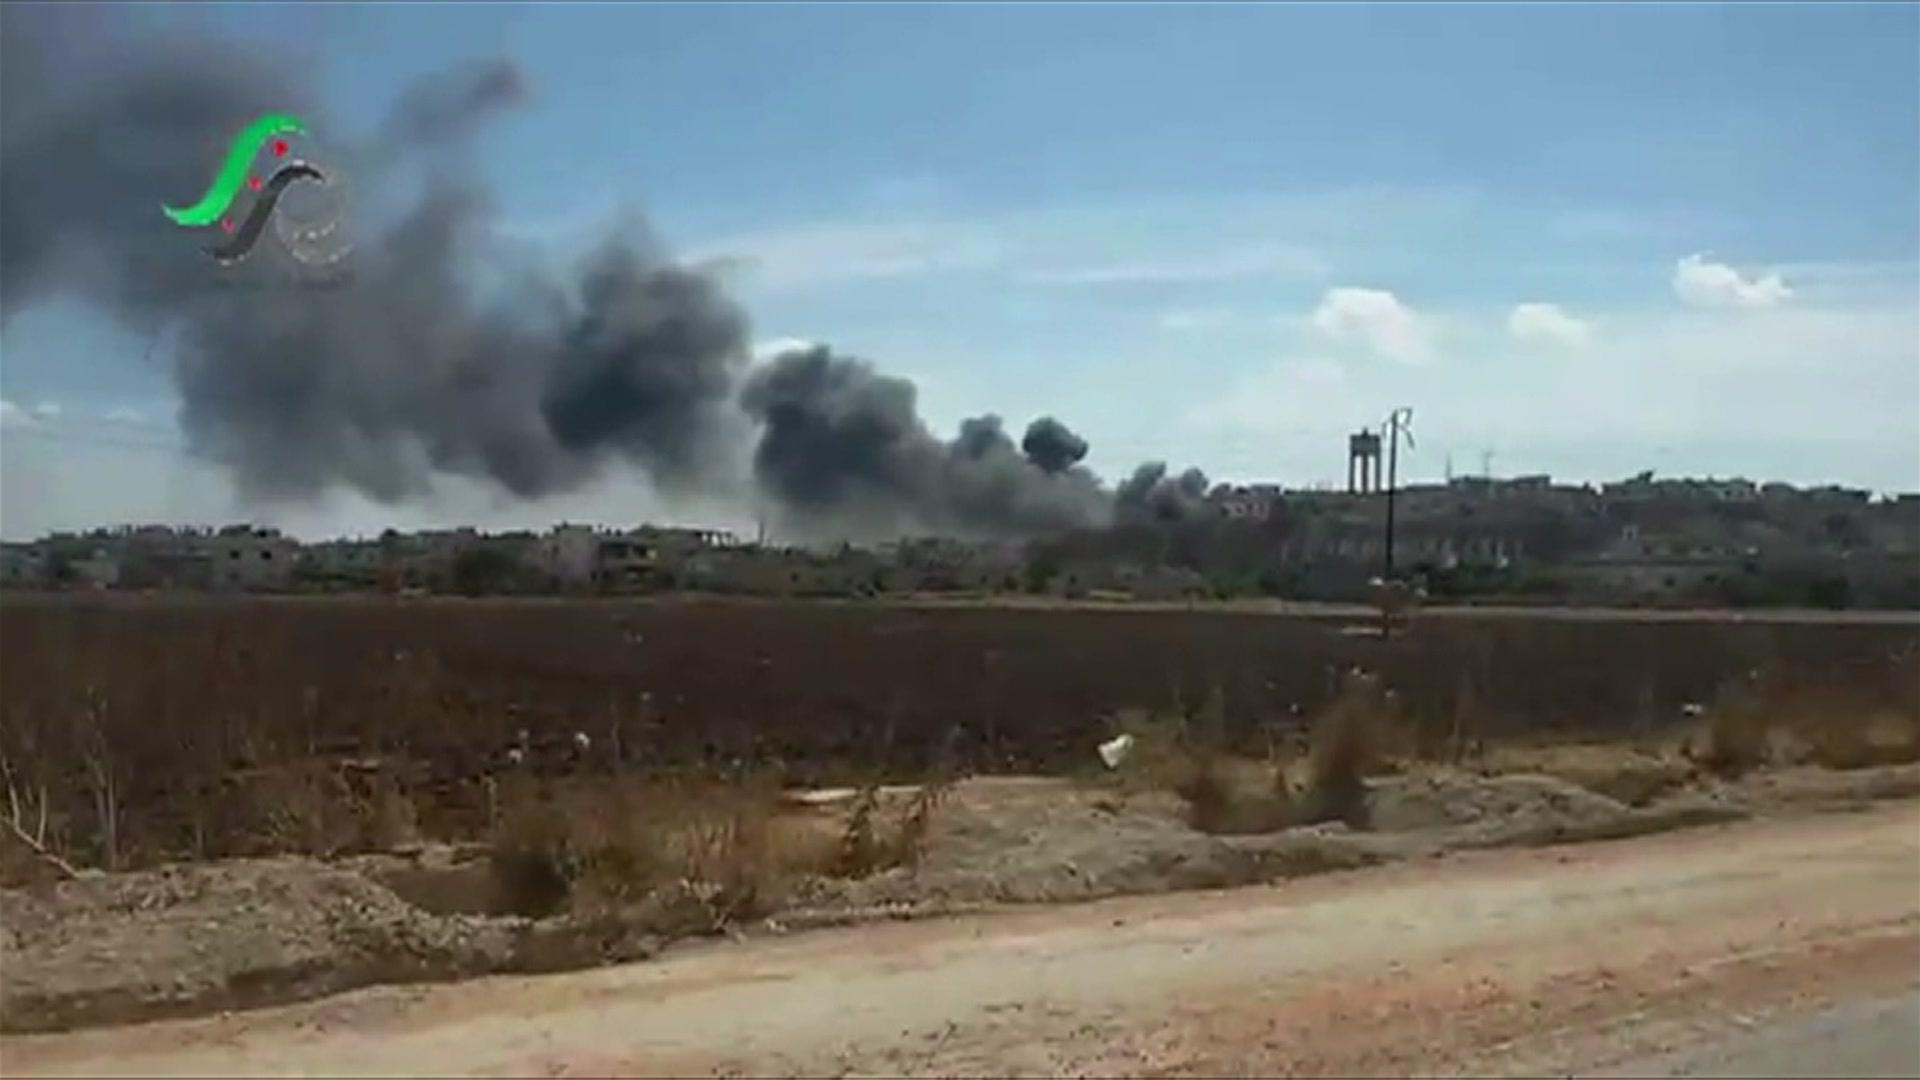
[[1555, 960], [1872, 1037]]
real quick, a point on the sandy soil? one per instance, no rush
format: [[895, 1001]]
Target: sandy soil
[[1548, 960]]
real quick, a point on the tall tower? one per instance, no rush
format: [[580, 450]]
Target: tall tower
[[1363, 450]]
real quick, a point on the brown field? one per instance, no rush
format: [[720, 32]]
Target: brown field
[[156, 727]]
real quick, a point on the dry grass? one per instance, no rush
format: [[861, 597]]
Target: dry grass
[[1185, 754], [1883, 738], [1232, 795], [609, 845], [1631, 775], [1760, 719], [157, 728], [871, 840], [606, 844], [1162, 757], [1735, 738], [1348, 744], [307, 807]]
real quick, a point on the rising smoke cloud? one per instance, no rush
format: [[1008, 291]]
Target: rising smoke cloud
[[413, 368], [1150, 495], [1052, 445], [842, 442], [402, 372]]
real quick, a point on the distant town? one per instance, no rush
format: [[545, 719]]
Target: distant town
[[1641, 540]]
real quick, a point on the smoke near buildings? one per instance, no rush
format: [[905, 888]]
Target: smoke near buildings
[[841, 441], [410, 370]]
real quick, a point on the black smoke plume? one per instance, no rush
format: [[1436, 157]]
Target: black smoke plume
[[1150, 495], [1052, 445], [400, 372], [94, 137], [842, 443], [443, 352]]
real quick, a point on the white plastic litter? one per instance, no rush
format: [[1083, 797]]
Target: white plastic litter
[[1115, 750]]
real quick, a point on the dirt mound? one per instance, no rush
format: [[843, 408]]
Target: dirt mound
[[219, 936], [1453, 810], [247, 933], [1446, 800], [1026, 840]]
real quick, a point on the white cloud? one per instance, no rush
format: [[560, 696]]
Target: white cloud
[[1376, 318], [1548, 324], [47, 410], [1704, 283], [13, 416], [1754, 395]]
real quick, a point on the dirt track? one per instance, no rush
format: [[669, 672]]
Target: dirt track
[[1553, 960]]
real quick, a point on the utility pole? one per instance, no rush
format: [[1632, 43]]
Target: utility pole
[[1397, 425]]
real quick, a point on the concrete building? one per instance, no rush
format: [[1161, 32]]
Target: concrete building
[[343, 562], [625, 562], [99, 569], [247, 557], [568, 554], [1253, 502], [1642, 565]]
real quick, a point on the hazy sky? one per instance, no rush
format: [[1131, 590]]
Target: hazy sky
[[1588, 239]]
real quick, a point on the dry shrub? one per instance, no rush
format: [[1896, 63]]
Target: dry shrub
[[1230, 795], [859, 841], [1160, 759], [1185, 755], [605, 844], [871, 841], [389, 817], [1854, 724], [1736, 736], [1852, 741], [916, 828], [1761, 718], [1346, 747], [314, 807], [306, 808], [725, 848], [534, 858]]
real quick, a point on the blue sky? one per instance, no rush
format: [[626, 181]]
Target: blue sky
[[1590, 239]]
